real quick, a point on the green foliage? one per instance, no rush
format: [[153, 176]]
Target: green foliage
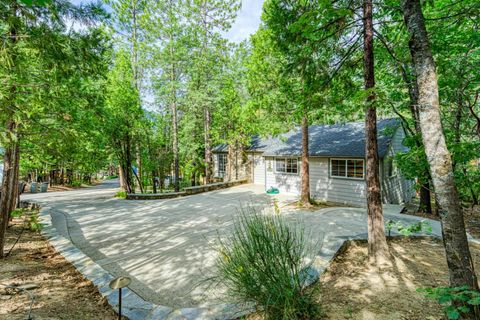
[[76, 184], [31, 218], [54, 73], [457, 302], [33, 222], [121, 194], [409, 229], [17, 212], [265, 261], [36, 2]]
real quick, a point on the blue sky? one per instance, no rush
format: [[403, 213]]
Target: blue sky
[[247, 22]]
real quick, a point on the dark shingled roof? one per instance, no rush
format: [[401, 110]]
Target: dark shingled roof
[[339, 140], [257, 144]]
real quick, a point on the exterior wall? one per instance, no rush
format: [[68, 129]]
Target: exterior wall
[[339, 190], [242, 161], [258, 169], [395, 188], [285, 182]]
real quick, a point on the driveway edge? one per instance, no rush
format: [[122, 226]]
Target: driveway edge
[[134, 307]]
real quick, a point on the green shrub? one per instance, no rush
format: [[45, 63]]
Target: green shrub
[[265, 261], [121, 194], [76, 184], [18, 212], [31, 218], [456, 302], [33, 222], [407, 230]]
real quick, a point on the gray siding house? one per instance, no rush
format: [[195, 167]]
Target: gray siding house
[[337, 162]]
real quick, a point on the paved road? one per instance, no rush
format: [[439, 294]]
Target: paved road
[[166, 246]]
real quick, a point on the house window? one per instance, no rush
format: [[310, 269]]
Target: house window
[[390, 167], [286, 165], [347, 168], [222, 164]]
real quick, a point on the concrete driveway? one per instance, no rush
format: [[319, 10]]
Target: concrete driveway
[[165, 246]]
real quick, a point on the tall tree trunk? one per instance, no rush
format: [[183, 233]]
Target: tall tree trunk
[[424, 181], [207, 113], [121, 177], [176, 165], [229, 168], [236, 159], [127, 185], [11, 158], [471, 106], [208, 146], [459, 260], [125, 158], [377, 243], [457, 124], [305, 194], [154, 181], [134, 39], [140, 168], [9, 189]]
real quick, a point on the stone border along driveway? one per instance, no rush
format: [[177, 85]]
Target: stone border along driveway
[[134, 307]]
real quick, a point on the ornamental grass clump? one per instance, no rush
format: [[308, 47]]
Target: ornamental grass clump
[[265, 261]]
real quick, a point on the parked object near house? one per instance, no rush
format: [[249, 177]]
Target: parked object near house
[[337, 162], [44, 187]]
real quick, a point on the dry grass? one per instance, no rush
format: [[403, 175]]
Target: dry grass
[[63, 293], [351, 289]]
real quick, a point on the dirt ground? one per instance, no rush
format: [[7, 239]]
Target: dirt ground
[[62, 292], [350, 289]]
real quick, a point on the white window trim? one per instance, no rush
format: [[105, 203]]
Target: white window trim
[[345, 177], [285, 158]]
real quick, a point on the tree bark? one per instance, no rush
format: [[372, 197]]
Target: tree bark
[[471, 106], [176, 165], [125, 159], [425, 195], [460, 265], [229, 168], [9, 189], [11, 159], [139, 175], [208, 146], [457, 125], [305, 194], [377, 243], [121, 177]]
